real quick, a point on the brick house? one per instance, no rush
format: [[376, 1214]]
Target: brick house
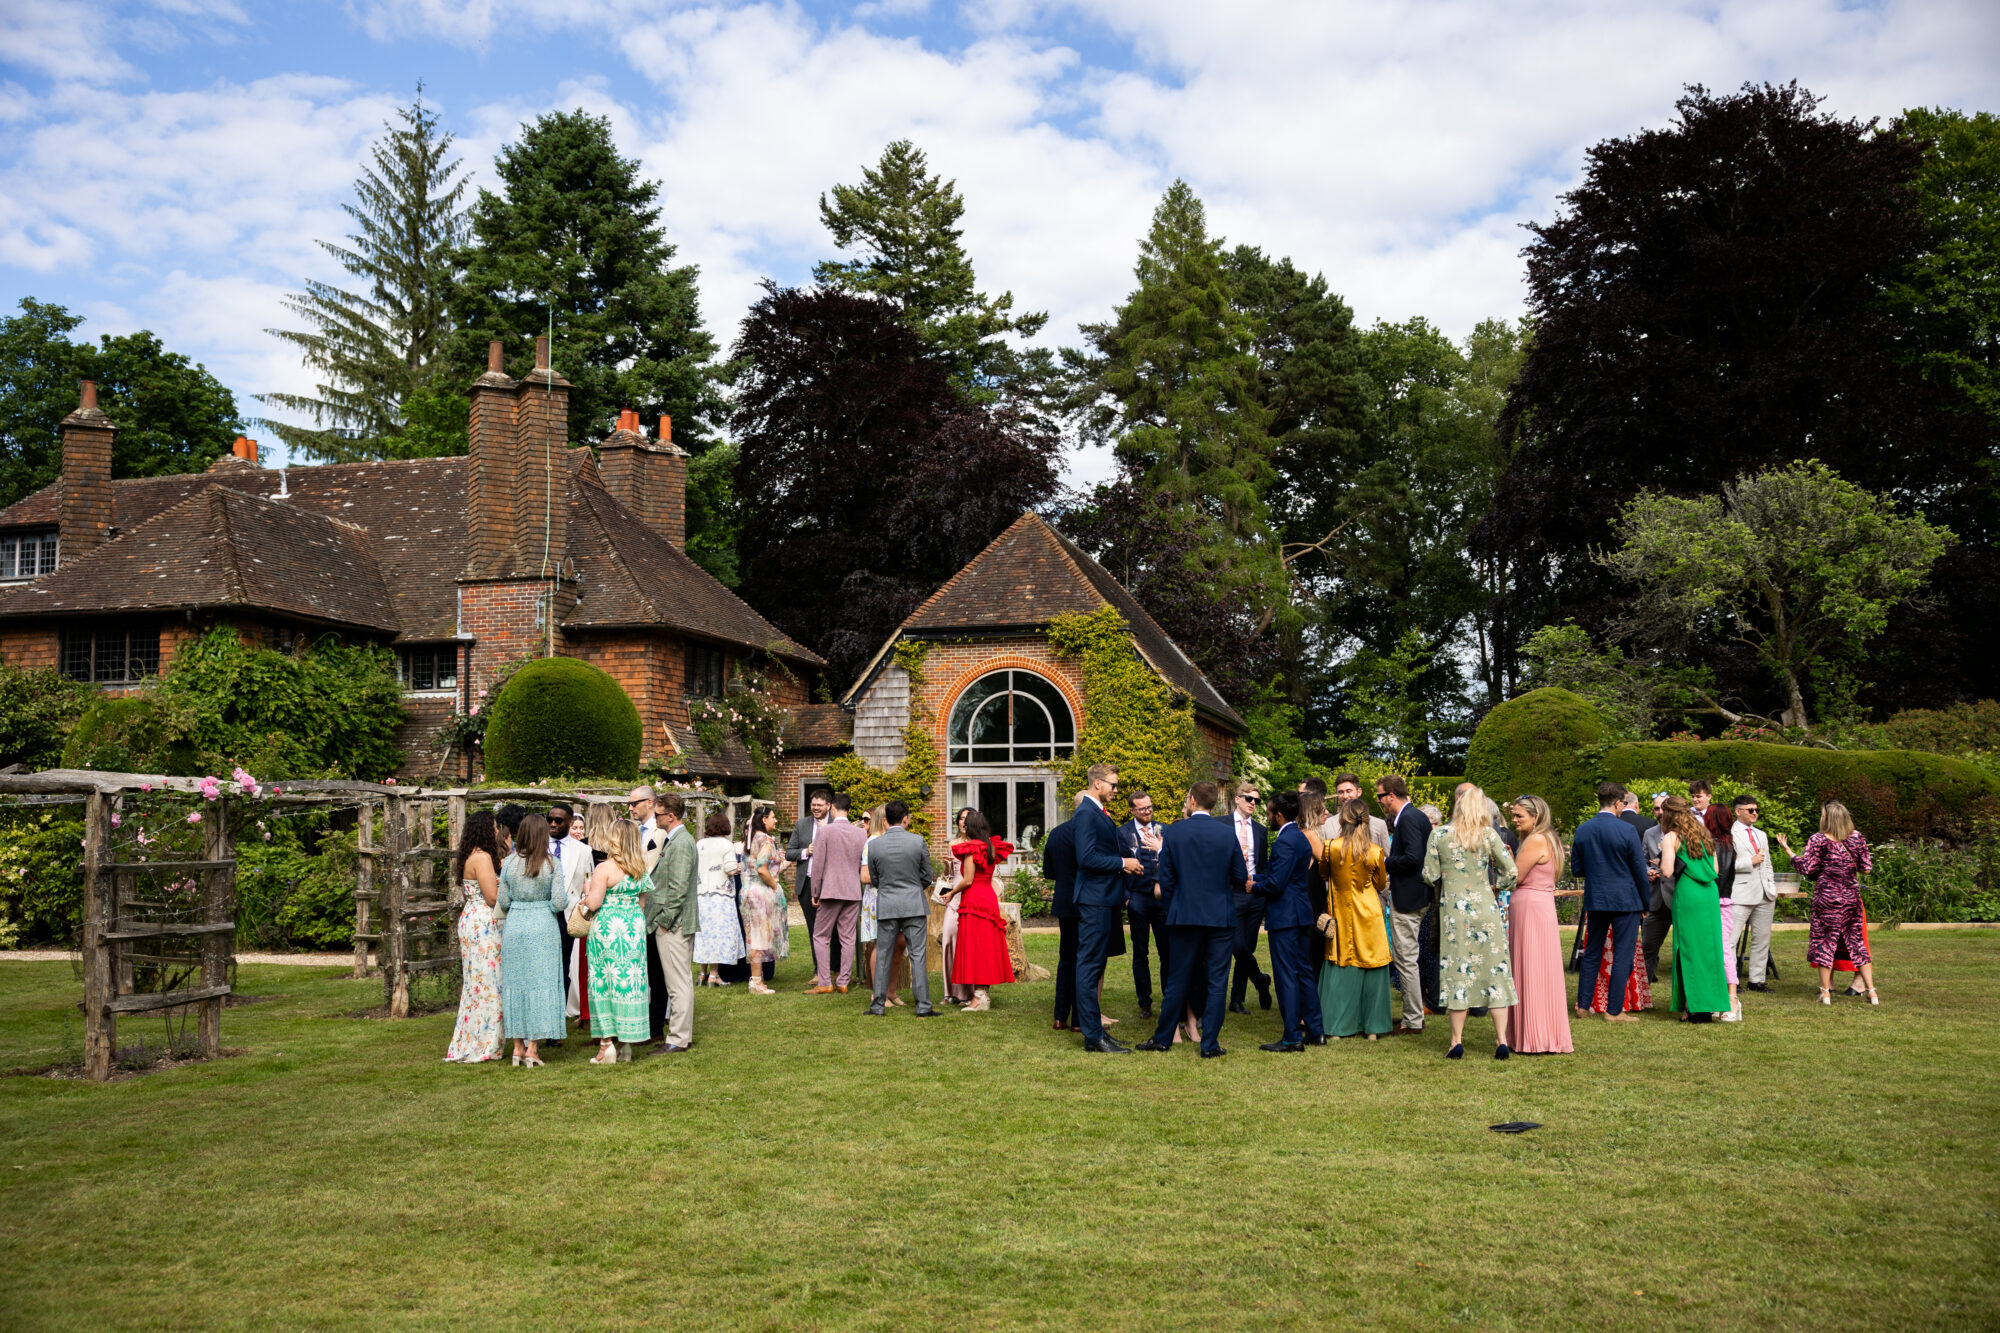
[[1002, 708], [463, 565]]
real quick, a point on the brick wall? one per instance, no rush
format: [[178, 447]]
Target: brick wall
[[650, 667], [1220, 746], [419, 741], [502, 618]]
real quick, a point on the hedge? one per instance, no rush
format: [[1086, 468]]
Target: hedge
[[1894, 794], [1539, 745], [557, 716]]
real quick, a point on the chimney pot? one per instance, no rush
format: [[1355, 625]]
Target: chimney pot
[[666, 429], [87, 397], [542, 353], [496, 358]]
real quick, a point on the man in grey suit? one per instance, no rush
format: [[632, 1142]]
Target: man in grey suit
[[899, 866]]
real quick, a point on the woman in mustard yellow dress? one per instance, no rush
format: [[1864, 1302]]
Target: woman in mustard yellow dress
[[1354, 980]]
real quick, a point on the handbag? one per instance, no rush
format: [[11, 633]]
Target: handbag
[[579, 920]]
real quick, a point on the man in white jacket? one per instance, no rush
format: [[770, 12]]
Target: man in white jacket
[[1755, 893]]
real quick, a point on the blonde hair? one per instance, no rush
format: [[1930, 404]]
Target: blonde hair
[[878, 821], [626, 848], [1835, 821], [1471, 816], [597, 822], [1538, 810], [1354, 829]]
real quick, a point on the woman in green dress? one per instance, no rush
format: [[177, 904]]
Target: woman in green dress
[[1470, 864], [619, 999], [1687, 855]]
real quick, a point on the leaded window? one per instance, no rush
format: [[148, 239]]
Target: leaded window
[[113, 654], [429, 666], [28, 555], [1011, 717]]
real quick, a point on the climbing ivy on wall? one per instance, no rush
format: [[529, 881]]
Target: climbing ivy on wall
[[913, 779], [1133, 719]]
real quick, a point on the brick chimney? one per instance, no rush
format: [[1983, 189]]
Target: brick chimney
[[244, 449], [517, 471], [648, 479], [85, 513]]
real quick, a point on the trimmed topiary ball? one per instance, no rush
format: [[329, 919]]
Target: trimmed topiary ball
[[558, 717], [1535, 745]]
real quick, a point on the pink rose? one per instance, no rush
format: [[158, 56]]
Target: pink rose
[[195, 818]]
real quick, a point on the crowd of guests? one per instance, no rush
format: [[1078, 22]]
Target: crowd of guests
[[612, 923]]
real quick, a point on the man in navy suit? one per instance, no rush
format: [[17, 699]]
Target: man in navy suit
[[1409, 836], [1059, 864], [1201, 876], [1254, 840], [1609, 856], [1100, 901], [1290, 924], [1139, 838]]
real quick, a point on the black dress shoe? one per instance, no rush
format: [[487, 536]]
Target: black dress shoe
[[1150, 1045], [1501, 1052], [878, 1013], [1145, 1011], [1758, 985], [1107, 1046], [1320, 1040], [1210, 1055], [1236, 1007], [1263, 992], [927, 1013], [1282, 1047]]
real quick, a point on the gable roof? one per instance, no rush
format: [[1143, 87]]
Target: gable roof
[[1029, 575]]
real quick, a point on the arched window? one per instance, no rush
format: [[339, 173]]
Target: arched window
[[1010, 717]]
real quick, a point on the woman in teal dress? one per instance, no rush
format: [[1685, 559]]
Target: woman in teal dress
[[619, 997], [1470, 864], [531, 990], [1687, 855]]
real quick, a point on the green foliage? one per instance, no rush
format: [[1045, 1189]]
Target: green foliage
[[37, 710], [1539, 744], [1893, 794], [1964, 729], [1270, 750], [1779, 808], [913, 779], [172, 415], [748, 713], [1629, 693], [295, 883], [380, 349], [1132, 718], [714, 512], [135, 733], [1950, 293], [1033, 890], [904, 222], [41, 873], [1796, 564], [556, 717], [1386, 707], [331, 711], [1928, 881]]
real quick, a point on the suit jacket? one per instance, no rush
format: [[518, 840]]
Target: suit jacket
[[1753, 884], [1287, 882], [836, 861], [899, 862], [1059, 864], [1139, 888], [1408, 842], [670, 904], [1611, 860], [573, 855], [795, 852], [1100, 866], [1201, 872], [1260, 860], [1661, 898], [1638, 822]]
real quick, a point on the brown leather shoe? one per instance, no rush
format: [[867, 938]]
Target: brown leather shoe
[[820, 990], [841, 989]]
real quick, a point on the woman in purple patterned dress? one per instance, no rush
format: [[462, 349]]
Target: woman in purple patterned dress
[[1835, 858]]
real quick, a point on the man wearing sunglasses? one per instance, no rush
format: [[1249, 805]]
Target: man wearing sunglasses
[[1755, 892], [1254, 840]]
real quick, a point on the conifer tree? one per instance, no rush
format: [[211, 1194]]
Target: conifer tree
[[379, 349]]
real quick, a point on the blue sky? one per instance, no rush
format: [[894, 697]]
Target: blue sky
[[169, 164]]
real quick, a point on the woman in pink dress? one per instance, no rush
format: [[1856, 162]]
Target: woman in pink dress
[[1541, 1012]]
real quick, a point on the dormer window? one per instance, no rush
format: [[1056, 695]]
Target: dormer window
[[28, 555]]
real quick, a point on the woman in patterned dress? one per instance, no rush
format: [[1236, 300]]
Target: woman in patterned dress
[[532, 897], [1473, 966], [482, 846], [718, 938], [1834, 859], [619, 998], [764, 919]]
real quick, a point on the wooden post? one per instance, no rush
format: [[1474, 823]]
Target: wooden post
[[100, 1030], [395, 936], [218, 885], [364, 886], [454, 821]]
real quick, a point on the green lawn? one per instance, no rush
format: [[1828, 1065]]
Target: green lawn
[[809, 1167]]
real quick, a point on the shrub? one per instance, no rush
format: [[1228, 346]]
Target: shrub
[[41, 873], [135, 733], [1036, 894], [37, 710], [1894, 794], [1923, 881], [1542, 744], [1777, 811], [1959, 729], [295, 885], [557, 717]]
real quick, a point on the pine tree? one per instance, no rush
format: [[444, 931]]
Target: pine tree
[[1173, 384], [380, 350], [574, 240], [905, 223]]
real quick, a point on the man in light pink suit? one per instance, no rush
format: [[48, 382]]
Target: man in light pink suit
[[836, 890]]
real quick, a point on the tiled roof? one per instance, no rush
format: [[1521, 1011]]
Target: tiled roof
[[817, 727], [222, 548], [414, 513], [733, 761], [136, 499], [634, 576], [1029, 575]]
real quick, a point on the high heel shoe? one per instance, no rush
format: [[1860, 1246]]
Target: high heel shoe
[[517, 1062], [607, 1054], [1825, 995], [1873, 998], [532, 1062], [1456, 1052]]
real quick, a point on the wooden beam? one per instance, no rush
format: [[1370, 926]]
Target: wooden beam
[[162, 932], [100, 1029], [365, 891], [172, 999], [217, 948]]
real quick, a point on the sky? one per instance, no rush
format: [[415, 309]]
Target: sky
[[172, 164]]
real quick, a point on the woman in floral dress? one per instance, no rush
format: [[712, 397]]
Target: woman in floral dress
[[1473, 964], [619, 997], [765, 925], [1834, 859], [482, 846], [718, 938]]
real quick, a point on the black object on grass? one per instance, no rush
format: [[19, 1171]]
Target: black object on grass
[[1514, 1127]]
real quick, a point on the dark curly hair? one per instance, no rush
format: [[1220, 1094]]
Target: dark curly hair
[[481, 834]]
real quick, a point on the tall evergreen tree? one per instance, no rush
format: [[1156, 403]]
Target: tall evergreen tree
[[904, 223], [574, 240], [1174, 384], [379, 349]]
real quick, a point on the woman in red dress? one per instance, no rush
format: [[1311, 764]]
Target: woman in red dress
[[981, 958]]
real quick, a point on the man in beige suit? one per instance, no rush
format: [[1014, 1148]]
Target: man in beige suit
[[1756, 890]]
